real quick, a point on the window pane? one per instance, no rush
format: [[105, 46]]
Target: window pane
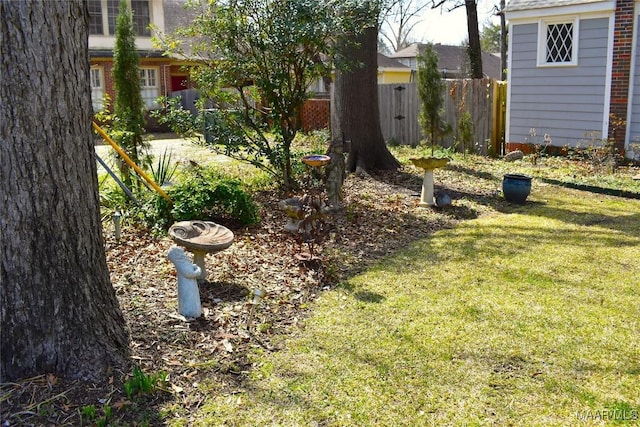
[[151, 78], [141, 18], [148, 77], [97, 92], [96, 80], [149, 87], [112, 13], [95, 17], [559, 42]]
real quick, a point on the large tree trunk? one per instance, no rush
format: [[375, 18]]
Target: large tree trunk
[[58, 310], [355, 113], [475, 49]]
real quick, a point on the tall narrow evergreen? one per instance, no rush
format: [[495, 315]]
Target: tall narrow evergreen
[[128, 124], [430, 89]]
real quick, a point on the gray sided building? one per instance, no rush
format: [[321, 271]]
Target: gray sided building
[[573, 72]]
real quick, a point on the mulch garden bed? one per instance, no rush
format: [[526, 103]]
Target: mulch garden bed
[[381, 215]]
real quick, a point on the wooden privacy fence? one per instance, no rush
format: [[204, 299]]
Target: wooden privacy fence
[[485, 99]]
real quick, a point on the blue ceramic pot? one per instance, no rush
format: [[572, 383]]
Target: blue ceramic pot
[[516, 187]]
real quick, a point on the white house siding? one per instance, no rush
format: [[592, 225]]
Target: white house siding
[[565, 102]]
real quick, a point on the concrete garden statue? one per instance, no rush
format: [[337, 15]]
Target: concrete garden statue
[[188, 293]]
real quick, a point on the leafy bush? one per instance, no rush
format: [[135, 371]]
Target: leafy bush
[[205, 194]]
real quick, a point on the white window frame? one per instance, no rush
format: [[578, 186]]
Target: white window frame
[[105, 19], [543, 26], [97, 92], [145, 88]]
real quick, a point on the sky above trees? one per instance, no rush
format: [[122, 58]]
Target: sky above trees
[[451, 27]]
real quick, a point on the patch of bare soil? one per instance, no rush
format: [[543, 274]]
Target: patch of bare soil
[[381, 215]]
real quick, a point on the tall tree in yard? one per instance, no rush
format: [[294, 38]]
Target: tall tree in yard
[[128, 123], [474, 49], [355, 111], [58, 311]]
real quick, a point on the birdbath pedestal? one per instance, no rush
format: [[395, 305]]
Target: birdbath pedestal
[[428, 164], [201, 238]]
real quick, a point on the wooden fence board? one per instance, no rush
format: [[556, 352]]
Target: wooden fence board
[[483, 98]]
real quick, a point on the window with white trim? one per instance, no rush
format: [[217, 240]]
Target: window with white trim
[[95, 17], [103, 15], [96, 75], [149, 87], [558, 43]]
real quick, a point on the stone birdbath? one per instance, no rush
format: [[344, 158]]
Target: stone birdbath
[[316, 160], [201, 238], [428, 164]]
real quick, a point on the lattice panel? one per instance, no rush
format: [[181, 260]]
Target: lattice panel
[[560, 42]]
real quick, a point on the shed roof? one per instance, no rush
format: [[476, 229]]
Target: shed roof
[[513, 5]]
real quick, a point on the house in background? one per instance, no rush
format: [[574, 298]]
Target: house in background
[[392, 71], [165, 76], [389, 71], [452, 61], [573, 71], [159, 75]]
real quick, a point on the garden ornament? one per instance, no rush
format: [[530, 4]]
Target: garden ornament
[[201, 237], [188, 293], [443, 200], [428, 164], [292, 207]]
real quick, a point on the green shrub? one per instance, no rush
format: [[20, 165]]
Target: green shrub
[[205, 194]]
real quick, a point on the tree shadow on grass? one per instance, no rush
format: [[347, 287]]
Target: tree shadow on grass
[[368, 296], [472, 172], [622, 222]]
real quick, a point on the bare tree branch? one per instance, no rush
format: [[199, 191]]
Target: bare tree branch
[[398, 19]]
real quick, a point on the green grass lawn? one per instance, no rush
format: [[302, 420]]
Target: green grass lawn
[[529, 316]]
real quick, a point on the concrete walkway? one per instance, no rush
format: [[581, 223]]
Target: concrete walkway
[[181, 150]]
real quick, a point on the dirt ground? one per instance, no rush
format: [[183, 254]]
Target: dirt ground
[[381, 215]]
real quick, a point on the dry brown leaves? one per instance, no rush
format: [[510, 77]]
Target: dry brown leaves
[[380, 216]]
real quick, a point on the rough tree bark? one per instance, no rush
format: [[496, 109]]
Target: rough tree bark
[[355, 112], [58, 311]]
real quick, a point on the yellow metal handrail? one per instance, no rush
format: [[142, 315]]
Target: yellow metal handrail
[[130, 162]]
